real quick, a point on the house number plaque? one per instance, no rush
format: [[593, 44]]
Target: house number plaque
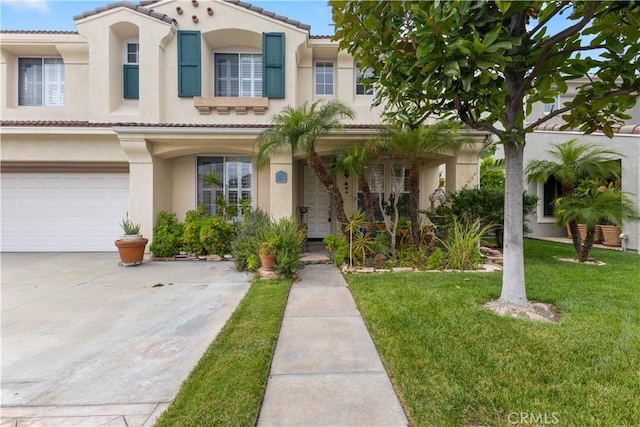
[[281, 177]]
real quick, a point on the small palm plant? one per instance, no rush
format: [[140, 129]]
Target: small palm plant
[[592, 204], [300, 129]]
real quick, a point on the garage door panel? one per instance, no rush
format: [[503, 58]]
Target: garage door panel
[[62, 212]]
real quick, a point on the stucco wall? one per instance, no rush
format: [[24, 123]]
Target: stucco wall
[[537, 148]]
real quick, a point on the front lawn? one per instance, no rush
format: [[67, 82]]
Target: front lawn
[[227, 386], [455, 363]]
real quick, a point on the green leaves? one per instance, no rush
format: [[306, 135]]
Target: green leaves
[[443, 58]]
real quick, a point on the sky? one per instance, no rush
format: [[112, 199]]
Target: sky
[[57, 15]]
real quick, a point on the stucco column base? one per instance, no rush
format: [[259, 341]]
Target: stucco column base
[[281, 193], [140, 182]]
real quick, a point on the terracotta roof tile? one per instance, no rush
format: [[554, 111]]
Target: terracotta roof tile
[[80, 123], [36, 32], [270, 14], [138, 8], [626, 129]]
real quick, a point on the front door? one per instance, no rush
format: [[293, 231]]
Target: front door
[[316, 198]]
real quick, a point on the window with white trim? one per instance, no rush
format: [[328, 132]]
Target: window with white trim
[[133, 53], [41, 82], [324, 78], [384, 180], [238, 75], [362, 89], [549, 192], [233, 176]]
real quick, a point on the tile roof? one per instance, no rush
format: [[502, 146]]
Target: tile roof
[[270, 14], [79, 123], [626, 129], [138, 8], [145, 3], [36, 32]]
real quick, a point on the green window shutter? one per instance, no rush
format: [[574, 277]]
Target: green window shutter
[[189, 63], [131, 80], [273, 65]]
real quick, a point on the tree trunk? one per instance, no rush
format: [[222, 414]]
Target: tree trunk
[[513, 284], [368, 200], [414, 201], [317, 166], [583, 255], [575, 236]]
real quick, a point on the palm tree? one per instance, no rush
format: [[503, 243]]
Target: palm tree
[[413, 146], [589, 205], [354, 160], [575, 163], [300, 129]]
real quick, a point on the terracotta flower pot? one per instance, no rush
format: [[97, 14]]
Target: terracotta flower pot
[[611, 235], [598, 236], [267, 261], [583, 232], [131, 251]]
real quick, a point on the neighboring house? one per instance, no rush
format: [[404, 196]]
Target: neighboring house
[[625, 141], [132, 111]]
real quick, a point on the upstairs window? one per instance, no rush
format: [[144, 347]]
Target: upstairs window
[[133, 53], [362, 89], [41, 82], [131, 72], [324, 78], [238, 75]]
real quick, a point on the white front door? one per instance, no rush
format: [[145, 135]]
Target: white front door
[[316, 198]]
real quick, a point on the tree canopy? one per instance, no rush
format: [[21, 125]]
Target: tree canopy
[[487, 63]]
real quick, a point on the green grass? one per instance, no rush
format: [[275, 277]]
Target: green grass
[[454, 363], [228, 384]]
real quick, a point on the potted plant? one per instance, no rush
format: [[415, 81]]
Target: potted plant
[[267, 253], [611, 235], [131, 245]]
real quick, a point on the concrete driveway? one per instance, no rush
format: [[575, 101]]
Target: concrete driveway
[[86, 342]]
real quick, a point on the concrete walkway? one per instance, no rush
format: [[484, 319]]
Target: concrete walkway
[[326, 370]]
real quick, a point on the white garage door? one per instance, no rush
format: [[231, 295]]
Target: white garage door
[[62, 212]]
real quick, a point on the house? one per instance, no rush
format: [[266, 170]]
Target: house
[[626, 141], [131, 112]]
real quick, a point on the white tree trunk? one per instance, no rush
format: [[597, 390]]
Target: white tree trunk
[[513, 284]]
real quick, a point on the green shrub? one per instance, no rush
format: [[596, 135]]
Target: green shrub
[[167, 235], [247, 242], [216, 234], [435, 260], [288, 246], [487, 206], [337, 247], [191, 236], [381, 243], [461, 244]]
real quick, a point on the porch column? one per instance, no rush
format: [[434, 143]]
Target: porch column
[[463, 170], [140, 182], [281, 185], [429, 181]]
